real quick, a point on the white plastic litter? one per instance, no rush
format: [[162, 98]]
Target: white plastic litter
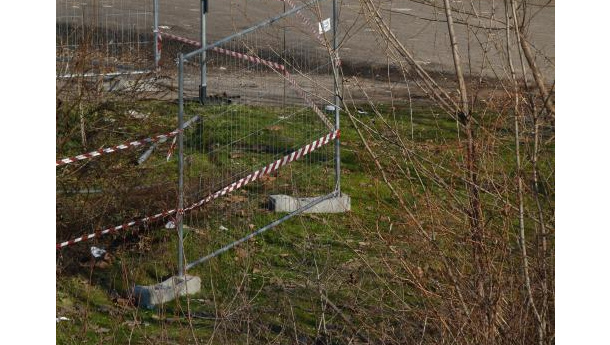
[[329, 108], [324, 26], [223, 228], [61, 318], [97, 252], [137, 115], [170, 225]]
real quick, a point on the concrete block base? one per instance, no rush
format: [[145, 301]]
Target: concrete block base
[[174, 287], [286, 203]]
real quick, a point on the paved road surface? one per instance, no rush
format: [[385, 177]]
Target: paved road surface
[[420, 27]]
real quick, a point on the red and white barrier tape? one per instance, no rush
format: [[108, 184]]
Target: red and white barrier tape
[[123, 146], [274, 166], [159, 40], [172, 147], [316, 33], [159, 47], [180, 39], [237, 55], [308, 100], [306, 22], [281, 69], [254, 59], [115, 229]]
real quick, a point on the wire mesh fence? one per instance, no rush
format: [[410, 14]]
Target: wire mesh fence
[[103, 36], [365, 275], [265, 92], [269, 92], [265, 128]]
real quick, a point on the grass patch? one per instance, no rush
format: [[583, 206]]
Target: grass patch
[[268, 288]]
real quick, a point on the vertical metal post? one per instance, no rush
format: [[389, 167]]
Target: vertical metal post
[[180, 212], [337, 101], [203, 64], [284, 61], [157, 35]]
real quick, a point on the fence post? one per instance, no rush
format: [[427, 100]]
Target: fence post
[[180, 213], [337, 101], [250, 29], [203, 64], [157, 35]]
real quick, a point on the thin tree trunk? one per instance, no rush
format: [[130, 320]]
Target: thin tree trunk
[[540, 316], [466, 117], [430, 86], [544, 93], [476, 212], [456, 60]]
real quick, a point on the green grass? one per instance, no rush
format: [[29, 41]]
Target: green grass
[[266, 287]]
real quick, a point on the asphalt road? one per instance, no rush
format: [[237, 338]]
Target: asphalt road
[[421, 28]]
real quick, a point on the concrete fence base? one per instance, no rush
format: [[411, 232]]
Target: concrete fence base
[[286, 203], [174, 287]]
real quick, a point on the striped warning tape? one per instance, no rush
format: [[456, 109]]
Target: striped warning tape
[[308, 100], [316, 33], [180, 39], [306, 21], [172, 147], [115, 229], [273, 166], [237, 55], [124, 146], [281, 69], [250, 58]]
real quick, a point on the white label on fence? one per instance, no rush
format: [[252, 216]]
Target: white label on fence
[[324, 26]]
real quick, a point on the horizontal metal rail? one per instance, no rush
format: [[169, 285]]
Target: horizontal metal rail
[[266, 170], [261, 230], [250, 29], [280, 69]]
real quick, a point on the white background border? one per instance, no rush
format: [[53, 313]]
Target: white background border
[[27, 188]]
